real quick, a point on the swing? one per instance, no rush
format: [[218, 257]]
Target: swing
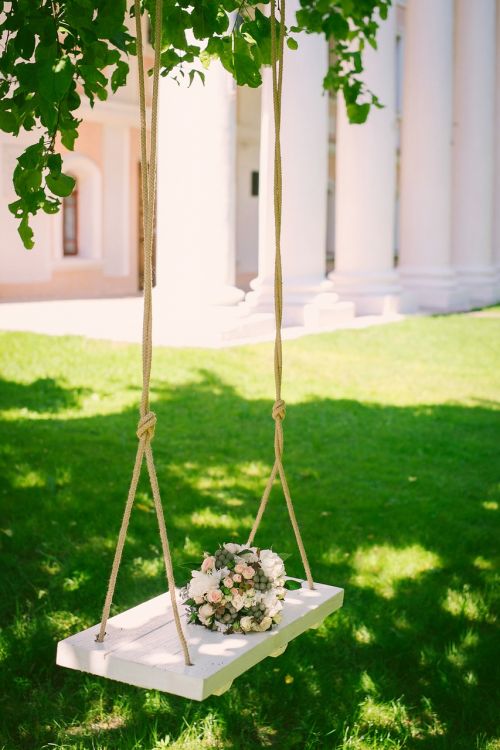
[[152, 645]]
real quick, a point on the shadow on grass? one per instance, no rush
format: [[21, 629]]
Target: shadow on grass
[[42, 395], [398, 505]]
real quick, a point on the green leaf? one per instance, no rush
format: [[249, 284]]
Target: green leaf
[[292, 43], [357, 113], [8, 122], [55, 78], [26, 233], [68, 138], [119, 75], [292, 585], [25, 42], [62, 185]]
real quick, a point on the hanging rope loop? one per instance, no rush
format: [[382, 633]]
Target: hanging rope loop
[[146, 426], [147, 421], [278, 31], [279, 410]]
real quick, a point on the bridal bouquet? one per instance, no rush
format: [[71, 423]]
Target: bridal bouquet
[[237, 590]]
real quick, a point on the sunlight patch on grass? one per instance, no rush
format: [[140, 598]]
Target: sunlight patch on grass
[[363, 635], [25, 478], [63, 623], [490, 505], [467, 603], [109, 723], [192, 549], [334, 556], [382, 567], [458, 653], [389, 715], [482, 564], [147, 568], [205, 734], [209, 519], [75, 580], [367, 684], [398, 722]]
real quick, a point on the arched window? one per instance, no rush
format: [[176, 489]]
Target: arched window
[[70, 223], [78, 226]]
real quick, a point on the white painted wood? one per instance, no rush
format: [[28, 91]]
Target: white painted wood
[[141, 646]]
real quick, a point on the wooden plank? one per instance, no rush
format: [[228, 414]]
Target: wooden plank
[[141, 645]]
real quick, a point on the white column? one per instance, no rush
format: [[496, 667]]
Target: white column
[[365, 187], [496, 208], [308, 297], [425, 254], [116, 195], [473, 149], [196, 192]]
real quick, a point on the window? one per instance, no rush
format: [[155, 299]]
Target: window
[[254, 188], [70, 223]]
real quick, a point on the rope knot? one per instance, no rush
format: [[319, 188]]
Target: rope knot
[[146, 426], [279, 410]]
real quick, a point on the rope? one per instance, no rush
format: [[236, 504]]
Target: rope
[[279, 407], [147, 421]]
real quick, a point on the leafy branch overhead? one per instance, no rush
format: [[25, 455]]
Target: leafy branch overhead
[[54, 54]]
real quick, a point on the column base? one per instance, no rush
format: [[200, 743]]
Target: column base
[[432, 291], [479, 285], [372, 293], [312, 304]]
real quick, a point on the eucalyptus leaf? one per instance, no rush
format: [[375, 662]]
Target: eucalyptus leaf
[[292, 585]]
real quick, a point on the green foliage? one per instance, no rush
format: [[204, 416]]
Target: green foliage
[[54, 54], [51, 54]]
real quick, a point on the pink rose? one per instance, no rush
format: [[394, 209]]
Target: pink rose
[[248, 572], [240, 568], [214, 596], [228, 582], [237, 578], [208, 563]]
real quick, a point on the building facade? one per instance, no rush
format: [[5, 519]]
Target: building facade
[[401, 213]]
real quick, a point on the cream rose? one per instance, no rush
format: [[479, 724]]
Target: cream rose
[[246, 624], [228, 582], [238, 602], [205, 612], [248, 572], [264, 624]]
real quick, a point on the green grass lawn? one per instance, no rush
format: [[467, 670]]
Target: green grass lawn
[[392, 444]]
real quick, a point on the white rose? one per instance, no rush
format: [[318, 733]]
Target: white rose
[[272, 564], [201, 583], [233, 548], [272, 603], [246, 624]]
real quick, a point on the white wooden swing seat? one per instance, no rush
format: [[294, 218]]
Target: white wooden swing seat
[[152, 645], [142, 646]]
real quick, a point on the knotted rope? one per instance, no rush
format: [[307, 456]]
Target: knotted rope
[[147, 421], [279, 408]]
